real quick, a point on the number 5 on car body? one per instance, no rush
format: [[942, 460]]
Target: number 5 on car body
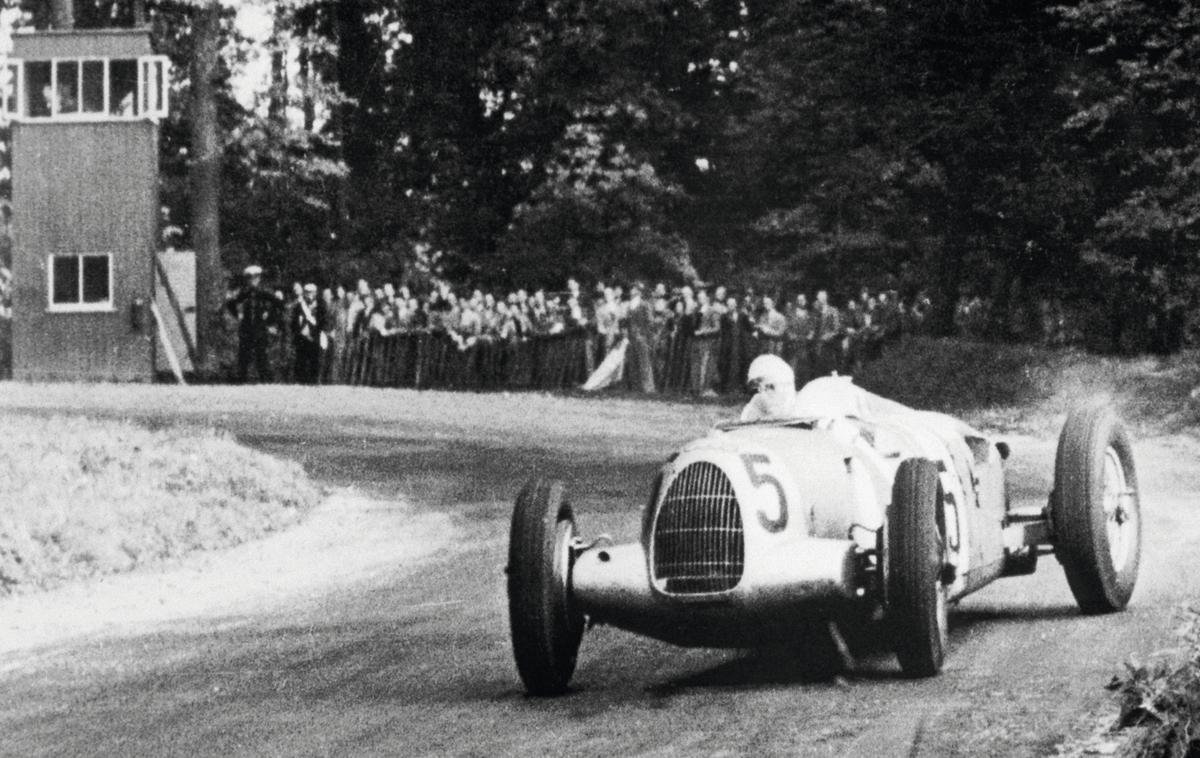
[[757, 478]]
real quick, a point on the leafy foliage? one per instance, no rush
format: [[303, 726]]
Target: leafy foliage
[[1136, 94], [1163, 697], [601, 207]]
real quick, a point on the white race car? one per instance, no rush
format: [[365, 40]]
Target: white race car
[[857, 514]]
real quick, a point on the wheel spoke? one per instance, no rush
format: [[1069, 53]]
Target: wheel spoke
[[1115, 495]]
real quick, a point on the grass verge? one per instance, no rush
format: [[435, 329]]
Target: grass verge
[[81, 498]]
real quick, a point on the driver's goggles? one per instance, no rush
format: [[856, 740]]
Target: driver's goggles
[[760, 384]]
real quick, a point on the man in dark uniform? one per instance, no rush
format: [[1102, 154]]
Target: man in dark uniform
[[308, 323], [799, 335], [828, 329], [639, 326], [255, 310], [770, 328], [705, 341], [854, 325], [736, 345]]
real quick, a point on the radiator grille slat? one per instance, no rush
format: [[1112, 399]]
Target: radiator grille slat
[[698, 540]]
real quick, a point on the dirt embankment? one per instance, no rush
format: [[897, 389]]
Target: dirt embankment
[[82, 498]]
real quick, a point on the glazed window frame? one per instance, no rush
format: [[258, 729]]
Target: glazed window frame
[[72, 283], [72, 95]]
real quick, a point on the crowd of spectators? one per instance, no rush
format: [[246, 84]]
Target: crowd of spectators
[[691, 338]]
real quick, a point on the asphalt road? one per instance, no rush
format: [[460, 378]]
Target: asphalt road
[[415, 660]]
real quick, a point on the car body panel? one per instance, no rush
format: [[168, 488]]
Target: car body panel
[[811, 498], [612, 584]]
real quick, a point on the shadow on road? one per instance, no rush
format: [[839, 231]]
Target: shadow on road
[[963, 619], [478, 480]]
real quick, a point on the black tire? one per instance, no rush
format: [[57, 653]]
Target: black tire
[[1095, 510], [546, 628], [916, 599]]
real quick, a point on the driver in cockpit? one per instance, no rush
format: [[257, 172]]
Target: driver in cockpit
[[775, 396], [774, 387]]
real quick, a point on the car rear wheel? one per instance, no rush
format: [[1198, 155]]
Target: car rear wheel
[[1096, 511], [916, 596], [546, 628]]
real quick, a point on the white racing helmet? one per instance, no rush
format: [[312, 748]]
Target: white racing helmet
[[774, 383]]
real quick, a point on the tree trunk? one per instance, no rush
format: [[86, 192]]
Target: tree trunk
[[357, 78], [277, 108], [306, 84], [62, 14], [305, 24], [357, 124], [205, 173]]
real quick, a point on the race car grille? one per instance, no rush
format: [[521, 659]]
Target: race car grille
[[698, 543]]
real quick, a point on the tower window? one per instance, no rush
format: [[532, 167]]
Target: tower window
[[39, 89], [66, 87], [123, 75], [88, 89], [81, 282], [93, 86]]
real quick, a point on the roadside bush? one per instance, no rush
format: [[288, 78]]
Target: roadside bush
[[82, 498], [1030, 387], [956, 374], [1161, 701]]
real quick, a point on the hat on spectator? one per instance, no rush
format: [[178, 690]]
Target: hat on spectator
[[310, 287], [253, 270]]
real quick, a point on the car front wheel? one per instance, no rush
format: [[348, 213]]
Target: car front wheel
[[916, 597], [546, 628]]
